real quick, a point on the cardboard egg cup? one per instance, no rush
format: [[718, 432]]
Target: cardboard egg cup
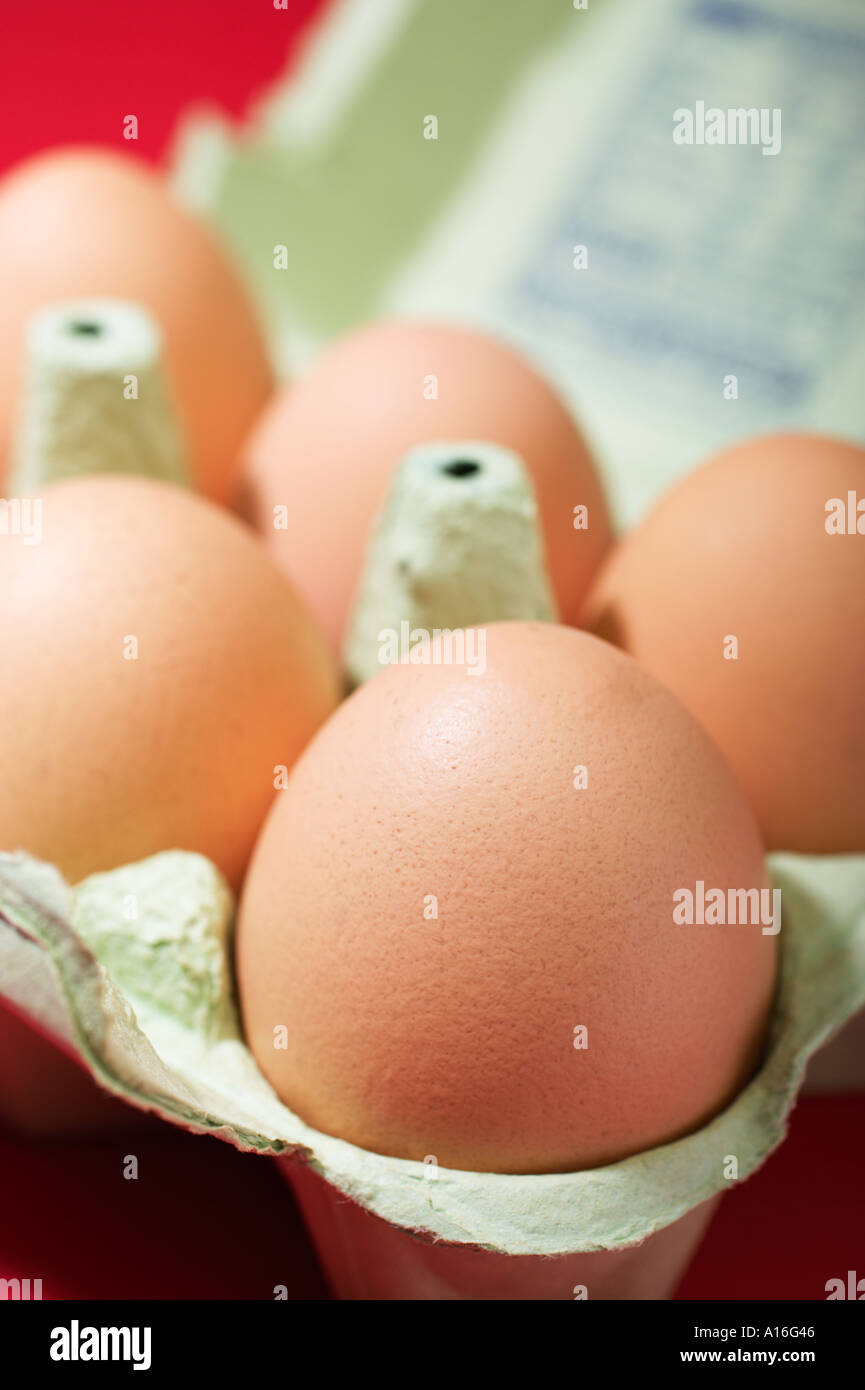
[[366, 1258], [390, 1228]]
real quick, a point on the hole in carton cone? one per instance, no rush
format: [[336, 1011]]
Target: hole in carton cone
[[461, 468]]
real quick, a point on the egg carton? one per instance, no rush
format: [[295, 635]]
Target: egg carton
[[143, 1007], [146, 1004]]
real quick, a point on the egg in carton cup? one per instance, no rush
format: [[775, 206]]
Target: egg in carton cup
[[103, 520], [131, 970], [744, 618], [85, 360]]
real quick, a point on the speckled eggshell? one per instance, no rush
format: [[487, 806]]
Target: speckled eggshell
[[85, 223], [433, 908], [108, 758], [327, 446], [739, 549]]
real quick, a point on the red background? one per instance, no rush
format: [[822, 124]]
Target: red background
[[70, 72], [203, 1221]]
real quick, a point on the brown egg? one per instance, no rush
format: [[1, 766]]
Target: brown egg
[[466, 868], [156, 671], [740, 594], [326, 448], [80, 223]]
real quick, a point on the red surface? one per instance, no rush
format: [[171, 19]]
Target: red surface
[[800, 1220], [71, 72], [203, 1221], [200, 1221]]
